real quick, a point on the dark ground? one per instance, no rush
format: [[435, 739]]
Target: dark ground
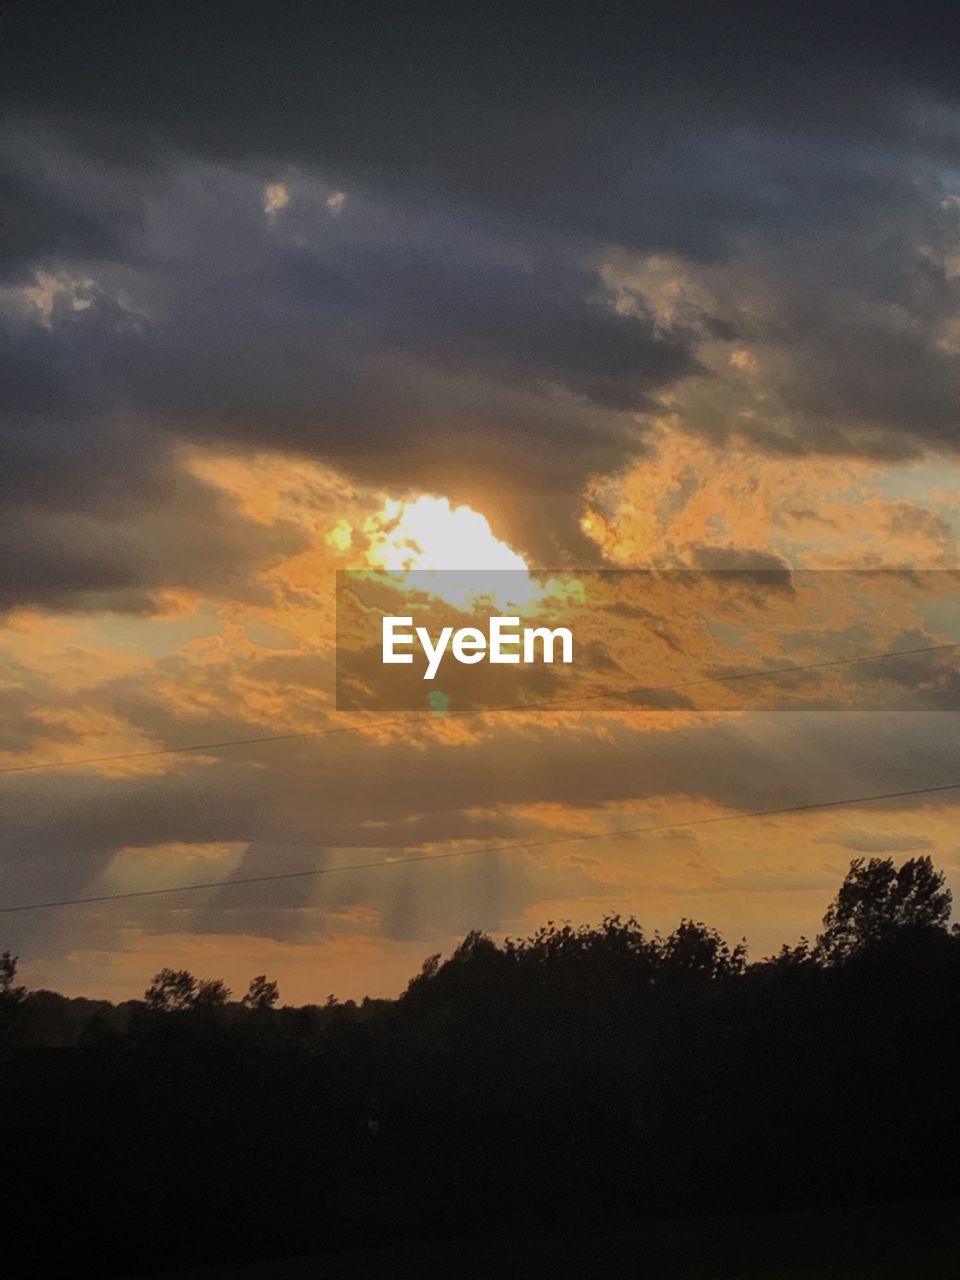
[[892, 1242]]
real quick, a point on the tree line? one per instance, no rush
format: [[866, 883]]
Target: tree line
[[578, 1076]]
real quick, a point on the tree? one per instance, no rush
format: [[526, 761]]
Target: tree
[[693, 950], [171, 991], [261, 994], [9, 994], [877, 900], [211, 993], [798, 957], [175, 990]]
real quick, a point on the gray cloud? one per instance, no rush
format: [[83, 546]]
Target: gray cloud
[[405, 346], [876, 842], [312, 800], [453, 327]]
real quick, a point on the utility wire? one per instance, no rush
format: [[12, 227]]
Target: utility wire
[[500, 848], [434, 717]]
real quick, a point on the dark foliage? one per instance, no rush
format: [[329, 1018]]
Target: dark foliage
[[579, 1076], [261, 994]]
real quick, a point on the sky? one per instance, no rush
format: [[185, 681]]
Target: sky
[[293, 289]]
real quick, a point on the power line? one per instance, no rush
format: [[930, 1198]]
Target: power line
[[433, 718], [274, 877]]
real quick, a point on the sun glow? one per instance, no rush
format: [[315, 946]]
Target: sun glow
[[447, 551], [428, 533]]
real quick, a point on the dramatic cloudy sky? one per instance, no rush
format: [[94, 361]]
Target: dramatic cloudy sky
[[292, 288]]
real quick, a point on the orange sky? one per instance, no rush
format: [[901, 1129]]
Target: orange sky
[[258, 658]]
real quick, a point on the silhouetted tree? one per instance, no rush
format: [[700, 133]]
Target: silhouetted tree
[[9, 994], [877, 900], [11, 997], [176, 990], [171, 991], [800, 956], [211, 993], [261, 994], [12, 1000], [698, 951], [580, 1075]]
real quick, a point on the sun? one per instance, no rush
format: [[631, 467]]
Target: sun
[[429, 533], [447, 550]]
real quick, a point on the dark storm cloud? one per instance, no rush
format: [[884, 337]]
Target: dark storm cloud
[[336, 349], [94, 507], [64, 200], [197, 542], [36, 221], [453, 328], [405, 345], [565, 119]]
